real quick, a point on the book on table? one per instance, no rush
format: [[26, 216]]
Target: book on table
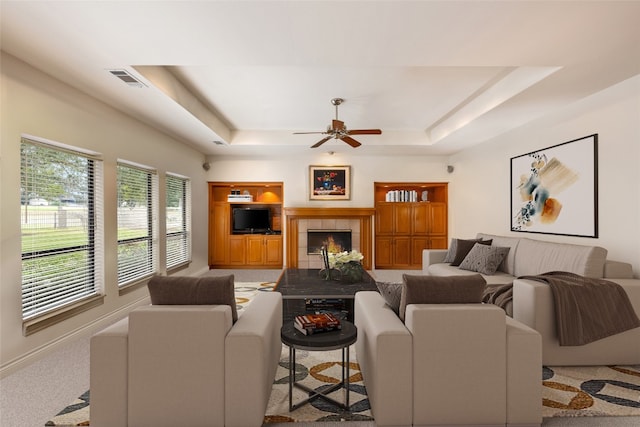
[[310, 324]]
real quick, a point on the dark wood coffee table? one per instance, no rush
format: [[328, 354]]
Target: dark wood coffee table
[[299, 286]]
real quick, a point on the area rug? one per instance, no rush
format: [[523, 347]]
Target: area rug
[[591, 391]]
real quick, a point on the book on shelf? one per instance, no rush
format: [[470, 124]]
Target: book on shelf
[[310, 324]]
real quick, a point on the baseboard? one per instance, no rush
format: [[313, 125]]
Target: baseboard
[[89, 329]]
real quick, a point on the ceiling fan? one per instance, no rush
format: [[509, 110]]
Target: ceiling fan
[[338, 130]]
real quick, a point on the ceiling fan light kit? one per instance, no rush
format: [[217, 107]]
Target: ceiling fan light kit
[[338, 130]]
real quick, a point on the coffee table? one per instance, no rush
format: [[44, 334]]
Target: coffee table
[[323, 341], [298, 285]]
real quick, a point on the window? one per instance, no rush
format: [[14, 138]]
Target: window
[[137, 235], [178, 211], [61, 228]]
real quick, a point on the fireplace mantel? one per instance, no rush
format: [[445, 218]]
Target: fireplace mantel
[[365, 215]]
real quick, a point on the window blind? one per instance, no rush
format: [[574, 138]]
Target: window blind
[[178, 220], [61, 226], [137, 230]]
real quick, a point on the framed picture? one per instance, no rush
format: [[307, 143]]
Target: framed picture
[[329, 182], [555, 190]]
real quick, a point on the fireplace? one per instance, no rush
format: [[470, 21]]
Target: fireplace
[[334, 240], [299, 220]]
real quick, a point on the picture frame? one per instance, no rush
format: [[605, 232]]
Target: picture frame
[[555, 190], [329, 182]]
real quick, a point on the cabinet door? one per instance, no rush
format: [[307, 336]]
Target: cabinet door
[[255, 250], [384, 218], [438, 219], [417, 245], [402, 218], [273, 248], [384, 255], [237, 250], [402, 251], [219, 233], [437, 242], [421, 218]]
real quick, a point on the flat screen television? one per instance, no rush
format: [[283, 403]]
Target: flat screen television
[[251, 220]]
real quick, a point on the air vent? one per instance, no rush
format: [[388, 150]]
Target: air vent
[[127, 78], [217, 142]]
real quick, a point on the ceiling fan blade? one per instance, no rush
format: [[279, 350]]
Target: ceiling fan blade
[[352, 142], [306, 133], [364, 132], [322, 141], [337, 124]]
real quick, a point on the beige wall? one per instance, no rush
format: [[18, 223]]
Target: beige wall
[[35, 104]]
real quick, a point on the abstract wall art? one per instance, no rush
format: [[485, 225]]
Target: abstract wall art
[[555, 190]]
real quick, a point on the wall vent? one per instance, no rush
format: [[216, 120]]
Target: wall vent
[[126, 77], [217, 142]]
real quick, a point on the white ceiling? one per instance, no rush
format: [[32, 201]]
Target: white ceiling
[[435, 76]]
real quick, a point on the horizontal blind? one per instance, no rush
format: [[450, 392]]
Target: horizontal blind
[[61, 226], [137, 194], [178, 220]]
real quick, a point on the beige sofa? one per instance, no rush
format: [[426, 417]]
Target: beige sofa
[[171, 365], [447, 364], [533, 302]]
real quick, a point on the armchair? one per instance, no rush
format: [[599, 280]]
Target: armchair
[[448, 364], [168, 365]]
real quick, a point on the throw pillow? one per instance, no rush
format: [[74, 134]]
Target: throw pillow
[[391, 292], [484, 259], [467, 289], [451, 253], [463, 248], [183, 290]]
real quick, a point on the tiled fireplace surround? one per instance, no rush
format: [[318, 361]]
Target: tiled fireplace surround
[[299, 220]]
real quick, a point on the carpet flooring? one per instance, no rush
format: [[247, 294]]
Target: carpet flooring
[[567, 391]]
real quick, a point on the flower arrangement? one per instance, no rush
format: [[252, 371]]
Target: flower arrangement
[[348, 264]]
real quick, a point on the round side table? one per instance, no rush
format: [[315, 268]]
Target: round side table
[[323, 341]]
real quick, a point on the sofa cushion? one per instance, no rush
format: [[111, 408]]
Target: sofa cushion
[[508, 264], [538, 257], [465, 289], [463, 248], [484, 259], [441, 269], [183, 290], [391, 292]]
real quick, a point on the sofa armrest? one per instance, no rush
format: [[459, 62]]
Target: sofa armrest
[[252, 353], [384, 349], [432, 256], [524, 362], [617, 270], [108, 378]]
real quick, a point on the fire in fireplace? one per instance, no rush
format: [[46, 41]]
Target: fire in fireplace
[[334, 240]]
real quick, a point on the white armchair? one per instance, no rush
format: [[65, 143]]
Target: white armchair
[[168, 365], [448, 364]]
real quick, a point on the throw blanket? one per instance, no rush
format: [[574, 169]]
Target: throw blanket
[[587, 309], [500, 295]]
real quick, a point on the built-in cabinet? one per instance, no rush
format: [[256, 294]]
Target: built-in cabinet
[[410, 217], [246, 250]]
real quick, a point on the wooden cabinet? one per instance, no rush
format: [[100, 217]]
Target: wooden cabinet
[[408, 225], [229, 250]]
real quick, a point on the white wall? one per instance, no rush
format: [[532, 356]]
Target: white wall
[[35, 104], [479, 194]]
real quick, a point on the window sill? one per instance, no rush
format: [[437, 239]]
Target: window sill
[[39, 323]]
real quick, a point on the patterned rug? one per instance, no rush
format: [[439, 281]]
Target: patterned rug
[[566, 391]]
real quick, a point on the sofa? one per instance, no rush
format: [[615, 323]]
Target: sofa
[[533, 302], [172, 364], [447, 364]]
